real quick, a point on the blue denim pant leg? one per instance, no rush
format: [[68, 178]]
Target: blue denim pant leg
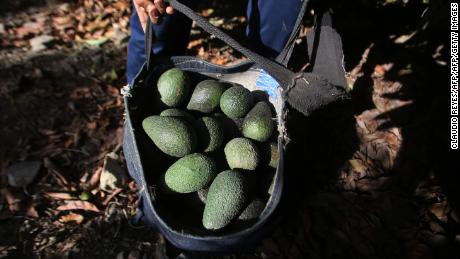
[[171, 39], [270, 24]]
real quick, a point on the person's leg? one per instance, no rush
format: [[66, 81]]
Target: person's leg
[[270, 24], [171, 38]]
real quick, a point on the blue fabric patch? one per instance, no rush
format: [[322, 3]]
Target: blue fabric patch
[[268, 84]]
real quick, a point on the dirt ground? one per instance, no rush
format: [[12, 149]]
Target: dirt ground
[[366, 177]]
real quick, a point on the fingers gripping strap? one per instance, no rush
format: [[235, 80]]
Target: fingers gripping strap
[[280, 73]]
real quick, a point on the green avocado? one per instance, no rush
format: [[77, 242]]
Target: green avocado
[[210, 133], [258, 123], [226, 198], [206, 96], [174, 112], [252, 210], [190, 173], [242, 153], [174, 87], [172, 135], [236, 101]]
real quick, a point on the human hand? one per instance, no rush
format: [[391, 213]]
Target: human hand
[[153, 8]]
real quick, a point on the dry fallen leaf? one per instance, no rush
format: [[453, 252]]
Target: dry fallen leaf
[[46, 132], [72, 217], [379, 71], [91, 125], [93, 182], [31, 211], [357, 166], [28, 28], [220, 60], [404, 38], [69, 142], [11, 200], [121, 5], [59, 195], [195, 43], [440, 210], [207, 12], [78, 205], [63, 22]]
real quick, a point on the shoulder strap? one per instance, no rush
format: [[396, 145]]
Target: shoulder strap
[[148, 42], [325, 50], [285, 55], [283, 75]]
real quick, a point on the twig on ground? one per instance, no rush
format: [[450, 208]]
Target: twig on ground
[[356, 72], [110, 197]]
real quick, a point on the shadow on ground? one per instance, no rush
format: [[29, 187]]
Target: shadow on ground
[[370, 178]]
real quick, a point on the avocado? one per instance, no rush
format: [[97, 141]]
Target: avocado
[[174, 87], [206, 96], [190, 173], [210, 133], [226, 198], [172, 135], [174, 112], [236, 101], [242, 153], [258, 124], [252, 210]]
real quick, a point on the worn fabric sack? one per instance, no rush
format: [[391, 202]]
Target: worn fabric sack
[[305, 92]]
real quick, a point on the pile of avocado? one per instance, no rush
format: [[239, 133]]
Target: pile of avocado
[[195, 129]]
